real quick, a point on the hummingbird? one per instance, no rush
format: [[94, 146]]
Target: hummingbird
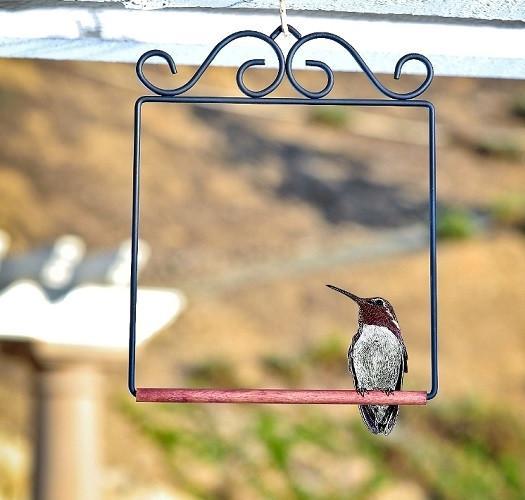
[[377, 358]]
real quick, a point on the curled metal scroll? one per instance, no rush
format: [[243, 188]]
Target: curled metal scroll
[[196, 77], [359, 60], [285, 65]]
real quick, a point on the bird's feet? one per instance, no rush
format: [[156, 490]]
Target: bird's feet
[[389, 392], [362, 392]]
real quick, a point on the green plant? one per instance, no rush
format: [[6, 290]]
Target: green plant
[[462, 449], [283, 367], [458, 451], [9, 99], [217, 372], [455, 223], [505, 148], [509, 210], [329, 116], [276, 439], [328, 353], [518, 106]]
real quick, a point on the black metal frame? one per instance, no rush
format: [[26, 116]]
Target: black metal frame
[[311, 98]]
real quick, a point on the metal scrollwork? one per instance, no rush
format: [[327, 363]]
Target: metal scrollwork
[[285, 65], [204, 66], [359, 60]]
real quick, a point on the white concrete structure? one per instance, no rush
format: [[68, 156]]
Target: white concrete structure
[[90, 316], [73, 327], [71, 341], [461, 37]]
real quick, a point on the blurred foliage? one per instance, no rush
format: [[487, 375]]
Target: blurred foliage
[[287, 369], [464, 450], [461, 450], [336, 117], [509, 210], [456, 450], [327, 353], [271, 453], [213, 372], [518, 106], [504, 148], [9, 99], [455, 223]]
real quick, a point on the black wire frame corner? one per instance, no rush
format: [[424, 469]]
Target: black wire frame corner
[[309, 99]]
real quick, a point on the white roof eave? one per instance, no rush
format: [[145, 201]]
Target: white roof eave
[[477, 39]]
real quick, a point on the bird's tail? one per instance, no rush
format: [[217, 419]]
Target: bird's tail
[[380, 419]]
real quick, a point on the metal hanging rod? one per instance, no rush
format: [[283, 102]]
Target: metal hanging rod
[[309, 98]]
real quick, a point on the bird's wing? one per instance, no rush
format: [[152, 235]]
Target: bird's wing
[[399, 383], [403, 368], [351, 358]]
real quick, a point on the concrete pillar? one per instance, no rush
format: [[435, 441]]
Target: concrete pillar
[[67, 461]]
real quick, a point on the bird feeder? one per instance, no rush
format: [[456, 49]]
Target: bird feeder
[[306, 98]]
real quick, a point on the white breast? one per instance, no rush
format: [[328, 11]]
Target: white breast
[[377, 358]]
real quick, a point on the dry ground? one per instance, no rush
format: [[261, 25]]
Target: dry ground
[[226, 190]]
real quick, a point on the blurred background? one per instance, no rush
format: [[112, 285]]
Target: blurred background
[[248, 212]]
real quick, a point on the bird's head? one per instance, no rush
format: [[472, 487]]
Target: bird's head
[[373, 310]]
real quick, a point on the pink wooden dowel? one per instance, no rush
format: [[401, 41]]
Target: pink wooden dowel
[[278, 396]]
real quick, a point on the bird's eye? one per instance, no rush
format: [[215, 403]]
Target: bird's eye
[[379, 302]]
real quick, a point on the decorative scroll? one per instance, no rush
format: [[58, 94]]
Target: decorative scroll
[[285, 65]]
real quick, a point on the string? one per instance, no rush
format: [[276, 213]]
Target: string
[[284, 20]]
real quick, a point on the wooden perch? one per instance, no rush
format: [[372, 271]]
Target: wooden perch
[[278, 396]]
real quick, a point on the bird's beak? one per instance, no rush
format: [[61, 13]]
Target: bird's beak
[[355, 298]]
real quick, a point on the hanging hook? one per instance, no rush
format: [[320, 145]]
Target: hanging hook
[[284, 20]]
